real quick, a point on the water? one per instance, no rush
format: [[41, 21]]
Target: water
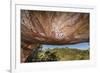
[[82, 46]]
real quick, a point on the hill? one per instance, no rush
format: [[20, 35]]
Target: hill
[[61, 54]]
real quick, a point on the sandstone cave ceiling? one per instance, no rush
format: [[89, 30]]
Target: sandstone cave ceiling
[[50, 27]]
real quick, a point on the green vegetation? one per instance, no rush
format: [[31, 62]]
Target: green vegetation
[[61, 54]]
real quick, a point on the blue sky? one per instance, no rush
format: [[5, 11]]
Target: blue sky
[[82, 46]]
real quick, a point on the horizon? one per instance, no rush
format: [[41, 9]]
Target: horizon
[[81, 46]]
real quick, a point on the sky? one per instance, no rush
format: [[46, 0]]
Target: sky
[[82, 46]]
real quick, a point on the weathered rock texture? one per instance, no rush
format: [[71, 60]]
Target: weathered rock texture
[[48, 27], [27, 50], [54, 27]]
